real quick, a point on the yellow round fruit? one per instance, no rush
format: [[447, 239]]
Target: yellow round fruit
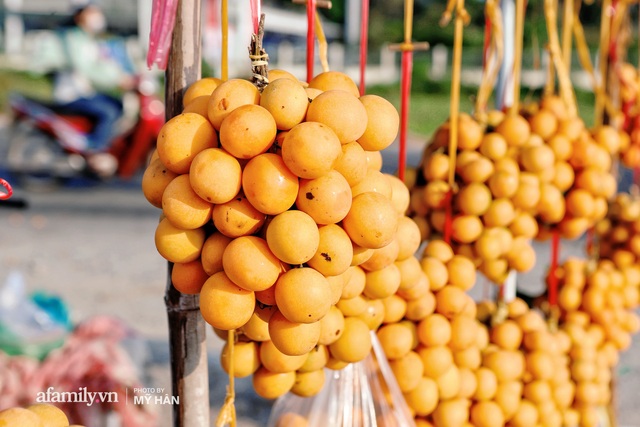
[[487, 414], [352, 164], [257, 328], [449, 383], [474, 199], [20, 417], [515, 130], [508, 365], [470, 133], [188, 277], [544, 123], [212, 250], [248, 131], [290, 419], [155, 179], [435, 359], [439, 249], [451, 413], [303, 295], [526, 415], [293, 338], [463, 332], [182, 206], [450, 301], [382, 283], [176, 244], [228, 96], [317, 359], [436, 272], [420, 303], [342, 112], [225, 305], [334, 253], [487, 384], [373, 315], [466, 228], [326, 199], [507, 335], [408, 238], [50, 415], [478, 170], [246, 359], [332, 326], [408, 371], [198, 105], [215, 175], [493, 146], [181, 138], [276, 361], [434, 330], [286, 100], [269, 185], [374, 181], [372, 220], [396, 340], [311, 149], [355, 342], [354, 282], [423, 398], [293, 237], [250, 264], [382, 123], [334, 80], [200, 88], [276, 74], [238, 217], [271, 385], [308, 383]]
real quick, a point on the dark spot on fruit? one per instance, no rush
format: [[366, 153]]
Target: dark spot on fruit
[[223, 104], [310, 195], [246, 129], [310, 100], [309, 315], [326, 256], [282, 107], [337, 332]]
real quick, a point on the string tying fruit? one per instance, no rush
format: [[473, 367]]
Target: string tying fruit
[[259, 58], [227, 415]]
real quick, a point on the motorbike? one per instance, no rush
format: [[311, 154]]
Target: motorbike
[[46, 145]]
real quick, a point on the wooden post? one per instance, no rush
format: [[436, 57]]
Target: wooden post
[[187, 331]]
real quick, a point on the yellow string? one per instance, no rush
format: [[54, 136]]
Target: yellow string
[[495, 54], [564, 79], [567, 25], [227, 415], [224, 12], [517, 56], [461, 15], [323, 47], [605, 37]]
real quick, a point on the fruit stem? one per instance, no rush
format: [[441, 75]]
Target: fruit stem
[[259, 58]]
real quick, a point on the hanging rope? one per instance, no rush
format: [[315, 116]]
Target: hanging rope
[[224, 26], [493, 56], [311, 30], [227, 415], [517, 56], [323, 46], [364, 44], [567, 25], [8, 190], [605, 37]]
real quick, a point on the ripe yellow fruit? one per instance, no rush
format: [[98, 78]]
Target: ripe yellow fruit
[[276, 74], [334, 253], [334, 80], [439, 249], [212, 250], [451, 413], [225, 305], [487, 384], [257, 328], [466, 228], [250, 264], [487, 414], [434, 330], [355, 342], [478, 170], [181, 138], [293, 338], [238, 217], [421, 303], [373, 315], [269, 185], [436, 272], [326, 199], [450, 301], [463, 332], [228, 96], [20, 417], [508, 365], [247, 131], [396, 340], [374, 181], [176, 244], [303, 295], [374, 160], [317, 359], [493, 146], [423, 399], [382, 283], [271, 385], [289, 419], [182, 206], [188, 277], [470, 358], [515, 130], [286, 100], [408, 371], [293, 237], [352, 307], [435, 359], [526, 415], [372, 220], [276, 361], [155, 179], [311, 149], [382, 123], [474, 199], [352, 164], [354, 282], [308, 383], [501, 213], [50, 415], [342, 112], [544, 123], [449, 383], [409, 238], [215, 175], [246, 359], [331, 326], [201, 88]]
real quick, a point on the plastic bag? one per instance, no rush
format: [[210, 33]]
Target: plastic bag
[[364, 394], [30, 326]]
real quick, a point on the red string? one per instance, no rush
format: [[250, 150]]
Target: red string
[[9, 191], [255, 15], [552, 281], [364, 42], [589, 240], [311, 37], [448, 217], [405, 92]]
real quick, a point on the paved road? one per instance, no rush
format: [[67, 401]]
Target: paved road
[[94, 247]]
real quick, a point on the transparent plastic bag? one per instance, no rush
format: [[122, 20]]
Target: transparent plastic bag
[[364, 394]]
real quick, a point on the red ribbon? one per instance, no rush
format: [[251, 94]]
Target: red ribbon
[[552, 280], [311, 37], [364, 42], [255, 15], [405, 93], [163, 19], [448, 217], [9, 191]]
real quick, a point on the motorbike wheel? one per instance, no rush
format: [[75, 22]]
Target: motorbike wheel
[[36, 160]]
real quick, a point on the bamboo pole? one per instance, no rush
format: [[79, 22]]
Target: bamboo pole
[[187, 332]]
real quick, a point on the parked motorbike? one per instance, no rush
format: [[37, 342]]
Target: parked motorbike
[[46, 144]]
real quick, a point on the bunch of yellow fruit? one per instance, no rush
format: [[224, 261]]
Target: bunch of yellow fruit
[[618, 235], [36, 415], [276, 212]]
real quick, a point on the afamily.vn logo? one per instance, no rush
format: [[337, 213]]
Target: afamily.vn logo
[[80, 396]]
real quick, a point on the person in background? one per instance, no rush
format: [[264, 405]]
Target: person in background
[[92, 77]]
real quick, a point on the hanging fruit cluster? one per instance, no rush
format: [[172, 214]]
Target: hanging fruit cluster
[[275, 211], [618, 236]]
